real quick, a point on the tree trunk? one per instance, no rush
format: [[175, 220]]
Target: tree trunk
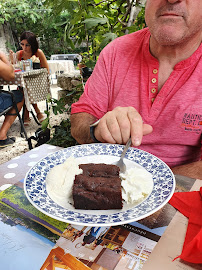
[[135, 9]]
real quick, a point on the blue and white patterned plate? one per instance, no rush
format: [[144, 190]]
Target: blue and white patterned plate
[[163, 185]]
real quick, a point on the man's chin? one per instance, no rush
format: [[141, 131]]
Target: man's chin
[[169, 41], [169, 36]]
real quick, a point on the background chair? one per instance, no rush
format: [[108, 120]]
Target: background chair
[[23, 132], [37, 89]]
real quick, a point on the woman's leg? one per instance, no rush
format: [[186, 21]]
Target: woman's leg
[[40, 115], [26, 115], [8, 121], [36, 108]]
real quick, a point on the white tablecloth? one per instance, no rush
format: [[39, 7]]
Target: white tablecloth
[[66, 66]]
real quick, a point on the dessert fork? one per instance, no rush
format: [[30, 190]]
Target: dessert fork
[[120, 163]]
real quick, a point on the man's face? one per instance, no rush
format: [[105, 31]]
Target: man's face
[[173, 21]]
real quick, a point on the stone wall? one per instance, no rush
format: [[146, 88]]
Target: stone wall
[[6, 36], [2, 40]]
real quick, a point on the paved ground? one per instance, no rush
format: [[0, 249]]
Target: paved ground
[[21, 146]]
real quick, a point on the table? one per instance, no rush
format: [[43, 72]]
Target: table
[[26, 245], [35, 83], [75, 57], [193, 170], [60, 66]]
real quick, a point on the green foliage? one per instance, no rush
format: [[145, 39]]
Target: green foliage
[[9, 46], [57, 106], [69, 26], [93, 22], [62, 134], [96, 23], [33, 15], [108, 37]]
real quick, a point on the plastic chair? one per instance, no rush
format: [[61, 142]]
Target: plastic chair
[[37, 88], [23, 132]]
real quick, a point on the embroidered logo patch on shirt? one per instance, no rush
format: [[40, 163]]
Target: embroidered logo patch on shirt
[[192, 122]]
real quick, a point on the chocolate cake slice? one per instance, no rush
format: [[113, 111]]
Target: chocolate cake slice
[[99, 170], [99, 191]]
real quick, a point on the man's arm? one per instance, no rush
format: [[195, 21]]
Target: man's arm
[[80, 127], [6, 69]]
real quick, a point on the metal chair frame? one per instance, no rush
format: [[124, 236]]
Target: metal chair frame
[[23, 132]]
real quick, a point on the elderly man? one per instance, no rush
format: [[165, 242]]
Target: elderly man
[[147, 85], [7, 73]]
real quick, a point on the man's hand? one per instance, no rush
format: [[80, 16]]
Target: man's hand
[[118, 125]]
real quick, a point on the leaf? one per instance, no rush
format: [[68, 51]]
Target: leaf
[[70, 93], [92, 22], [108, 37], [45, 123]]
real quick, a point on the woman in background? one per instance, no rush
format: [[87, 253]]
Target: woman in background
[[30, 47]]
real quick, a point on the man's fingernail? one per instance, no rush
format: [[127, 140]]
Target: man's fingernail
[[136, 142]]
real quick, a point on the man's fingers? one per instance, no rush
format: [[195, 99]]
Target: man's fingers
[[103, 131], [118, 125], [147, 129], [139, 133], [114, 127], [136, 127]]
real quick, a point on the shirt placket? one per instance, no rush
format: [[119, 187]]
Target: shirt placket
[[156, 100], [153, 85]]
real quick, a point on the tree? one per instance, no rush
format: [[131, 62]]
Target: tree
[[73, 25], [18, 15], [97, 22], [33, 15]]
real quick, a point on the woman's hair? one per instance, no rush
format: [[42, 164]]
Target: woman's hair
[[31, 39]]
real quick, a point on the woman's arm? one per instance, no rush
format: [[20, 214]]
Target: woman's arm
[[6, 69], [42, 58]]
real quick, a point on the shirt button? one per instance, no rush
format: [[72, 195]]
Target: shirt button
[[153, 80], [155, 71], [153, 90], [152, 100]]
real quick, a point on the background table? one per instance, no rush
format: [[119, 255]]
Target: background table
[[35, 83], [61, 66]]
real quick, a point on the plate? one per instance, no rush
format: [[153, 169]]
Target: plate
[[163, 185]]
